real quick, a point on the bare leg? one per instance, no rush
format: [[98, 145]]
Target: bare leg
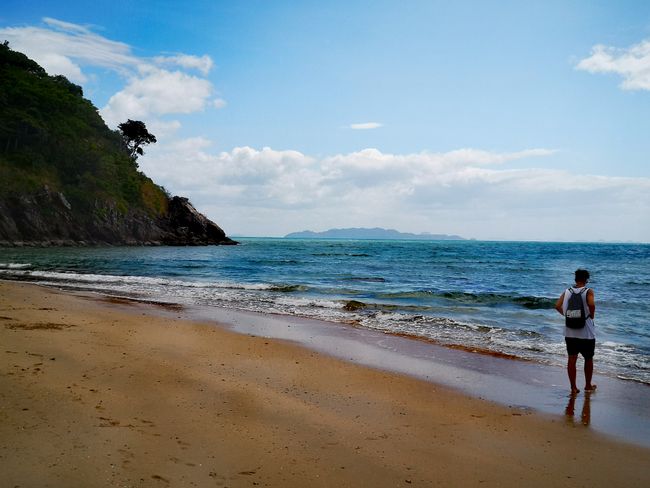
[[589, 371], [571, 371]]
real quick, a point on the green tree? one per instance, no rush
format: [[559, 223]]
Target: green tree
[[135, 135]]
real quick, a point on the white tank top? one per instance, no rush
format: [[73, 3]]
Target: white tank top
[[588, 331]]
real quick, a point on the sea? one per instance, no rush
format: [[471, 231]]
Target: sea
[[494, 298]]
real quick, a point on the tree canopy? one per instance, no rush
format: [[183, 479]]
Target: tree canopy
[[50, 135], [136, 135]]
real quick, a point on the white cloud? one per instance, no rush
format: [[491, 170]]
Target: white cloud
[[633, 64], [365, 126], [62, 48], [468, 192], [219, 103], [67, 26], [158, 92], [151, 90], [201, 63], [163, 128], [58, 64]]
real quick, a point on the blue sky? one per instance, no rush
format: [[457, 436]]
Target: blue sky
[[491, 120]]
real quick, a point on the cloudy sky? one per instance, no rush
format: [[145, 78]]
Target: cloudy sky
[[493, 120]]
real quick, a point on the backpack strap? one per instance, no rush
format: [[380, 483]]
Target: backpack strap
[[573, 292], [588, 310]]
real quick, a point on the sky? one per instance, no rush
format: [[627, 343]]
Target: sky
[[495, 120]]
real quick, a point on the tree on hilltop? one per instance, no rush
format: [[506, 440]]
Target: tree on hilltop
[[16, 59], [135, 135]]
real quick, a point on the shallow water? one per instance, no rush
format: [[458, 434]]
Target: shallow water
[[490, 296]]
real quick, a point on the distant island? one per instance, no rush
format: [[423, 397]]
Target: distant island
[[374, 233]]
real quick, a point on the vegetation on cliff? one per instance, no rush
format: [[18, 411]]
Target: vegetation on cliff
[[59, 160], [50, 134]]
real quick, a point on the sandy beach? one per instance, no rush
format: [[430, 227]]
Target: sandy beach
[[94, 393]]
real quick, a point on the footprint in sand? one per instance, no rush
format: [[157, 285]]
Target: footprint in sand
[[127, 457], [108, 422]]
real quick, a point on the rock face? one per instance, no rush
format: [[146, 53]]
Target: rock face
[[48, 219], [184, 225]]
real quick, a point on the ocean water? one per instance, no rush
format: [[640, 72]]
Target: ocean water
[[486, 296]]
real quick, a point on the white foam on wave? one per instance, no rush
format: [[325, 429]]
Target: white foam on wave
[[262, 297], [307, 302], [14, 265], [84, 277], [70, 278], [619, 346]]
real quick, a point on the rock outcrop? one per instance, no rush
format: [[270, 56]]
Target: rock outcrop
[[186, 225], [48, 219]]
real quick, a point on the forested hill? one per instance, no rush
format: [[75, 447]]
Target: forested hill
[[67, 179]]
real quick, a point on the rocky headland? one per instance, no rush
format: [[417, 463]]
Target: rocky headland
[[66, 179]]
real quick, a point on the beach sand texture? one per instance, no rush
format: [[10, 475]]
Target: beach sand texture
[[94, 393]]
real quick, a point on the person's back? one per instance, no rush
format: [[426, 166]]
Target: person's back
[[579, 329]]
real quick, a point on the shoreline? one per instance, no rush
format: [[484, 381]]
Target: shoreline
[[519, 323], [119, 394], [473, 349], [620, 409]]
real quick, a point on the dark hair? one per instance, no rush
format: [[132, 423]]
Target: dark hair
[[582, 275]]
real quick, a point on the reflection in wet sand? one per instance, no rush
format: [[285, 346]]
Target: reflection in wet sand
[[585, 415]]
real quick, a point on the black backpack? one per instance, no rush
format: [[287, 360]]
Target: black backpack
[[575, 310]]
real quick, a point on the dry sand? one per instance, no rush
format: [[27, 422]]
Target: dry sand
[[99, 394]]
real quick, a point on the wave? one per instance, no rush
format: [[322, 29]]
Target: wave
[[88, 279], [367, 279], [407, 294], [355, 255], [489, 299], [71, 278], [287, 288], [391, 313], [536, 303], [276, 262], [531, 302], [15, 265], [639, 282], [368, 307]]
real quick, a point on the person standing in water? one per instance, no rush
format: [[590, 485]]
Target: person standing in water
[[577, 304]]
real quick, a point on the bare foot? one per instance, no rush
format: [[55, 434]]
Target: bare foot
[[574, 391], [591, 388]]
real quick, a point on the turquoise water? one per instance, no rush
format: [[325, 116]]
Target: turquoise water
[[495, 296]]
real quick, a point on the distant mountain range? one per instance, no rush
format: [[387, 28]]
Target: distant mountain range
[[375, 233]]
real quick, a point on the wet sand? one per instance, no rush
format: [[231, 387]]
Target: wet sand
[[619, 409], [96, 393]]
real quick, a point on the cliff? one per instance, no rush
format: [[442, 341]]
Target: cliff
[[67, 179], [46, 218]]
